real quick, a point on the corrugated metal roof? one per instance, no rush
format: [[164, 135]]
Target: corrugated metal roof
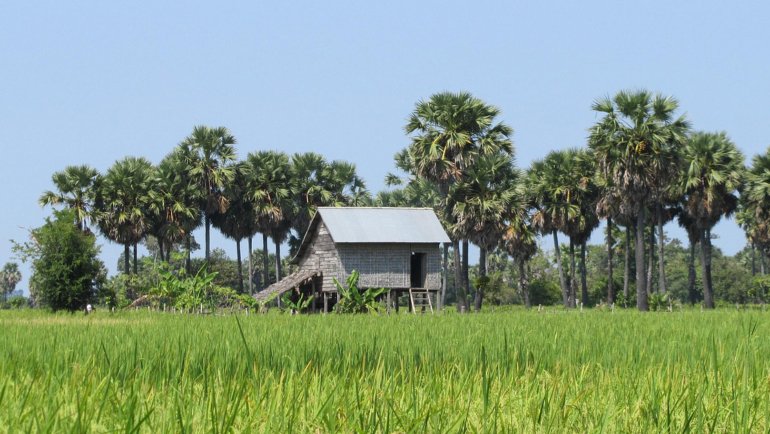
[[383, 225]]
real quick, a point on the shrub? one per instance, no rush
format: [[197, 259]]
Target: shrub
[[18, 302], [355, 300], [65, 267]]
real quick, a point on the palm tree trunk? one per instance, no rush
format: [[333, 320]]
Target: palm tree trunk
[[572, 280], [160, 249], [127, 258], [641, 276], [583, 281], [251, 268], [208, 238], [524, 284], [661, 253], [705, 243], [265, 262], [277, 261], [627, 265], [651, 261], [459, 286], [136, 262], [482, 275], [188, 259], [168, 251], [562, 277], [692, 295], [240, 265], [466, 278], [610, 283], [753, 260]]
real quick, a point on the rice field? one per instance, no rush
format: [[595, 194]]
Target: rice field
[[512, 371]]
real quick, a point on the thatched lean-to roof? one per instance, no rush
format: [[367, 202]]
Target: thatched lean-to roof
[[288, 283]]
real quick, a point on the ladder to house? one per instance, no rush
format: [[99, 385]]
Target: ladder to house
[[420, 298]]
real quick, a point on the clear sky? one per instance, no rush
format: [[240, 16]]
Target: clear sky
[[92, 82]]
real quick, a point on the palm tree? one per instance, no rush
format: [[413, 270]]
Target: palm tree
[[122, 204], [75, 187], [756, 204], [580, 172], [552, 187], [10, 276], [270, 184], [633, 146], [482, 200], [693, 236], [174, 204], [519, 238], [209, 154], [449, 132], [238, 220], [714, 174], [745, 217], [317, 182]]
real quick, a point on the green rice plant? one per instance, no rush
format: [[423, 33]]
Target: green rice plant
[[505, 371]]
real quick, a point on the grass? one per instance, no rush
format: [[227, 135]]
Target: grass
[[513, 371]]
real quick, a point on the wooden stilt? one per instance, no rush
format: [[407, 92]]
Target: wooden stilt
[[387, 303], [326, 302]]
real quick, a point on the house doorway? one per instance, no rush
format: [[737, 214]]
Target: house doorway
[[417, 270]]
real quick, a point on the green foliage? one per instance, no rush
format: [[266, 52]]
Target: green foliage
[[353, 299], [544, 292], [511, 371], [65, 267], [18, 302], [759, 290], [296, 305], [658, 301], [192, 292]]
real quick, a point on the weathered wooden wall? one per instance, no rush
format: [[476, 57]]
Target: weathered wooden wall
[[379, 265]]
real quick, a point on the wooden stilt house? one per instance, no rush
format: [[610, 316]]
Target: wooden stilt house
[[399, 249]]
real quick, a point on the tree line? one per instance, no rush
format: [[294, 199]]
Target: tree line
[[641, 167], [202, 183]]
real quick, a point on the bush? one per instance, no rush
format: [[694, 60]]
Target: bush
[[18, 302], [544, 291], [355, 300], [65, 267]]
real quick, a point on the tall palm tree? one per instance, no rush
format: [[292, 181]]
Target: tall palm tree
[[755, 200], [580, 172], [75, 188], [519, 239], [553, 189], [209, 154], [714, 174], [174, 202], [10, 276], [633, 146], [693, 236], [483, 198], [270, 185], [238, 220], [317, 182], [122, 204], [449, 132]]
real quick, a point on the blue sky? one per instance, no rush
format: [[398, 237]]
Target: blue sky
[[92, 82]]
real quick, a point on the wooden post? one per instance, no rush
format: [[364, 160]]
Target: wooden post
[[387, 302], [441, 299], [326, 302]]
